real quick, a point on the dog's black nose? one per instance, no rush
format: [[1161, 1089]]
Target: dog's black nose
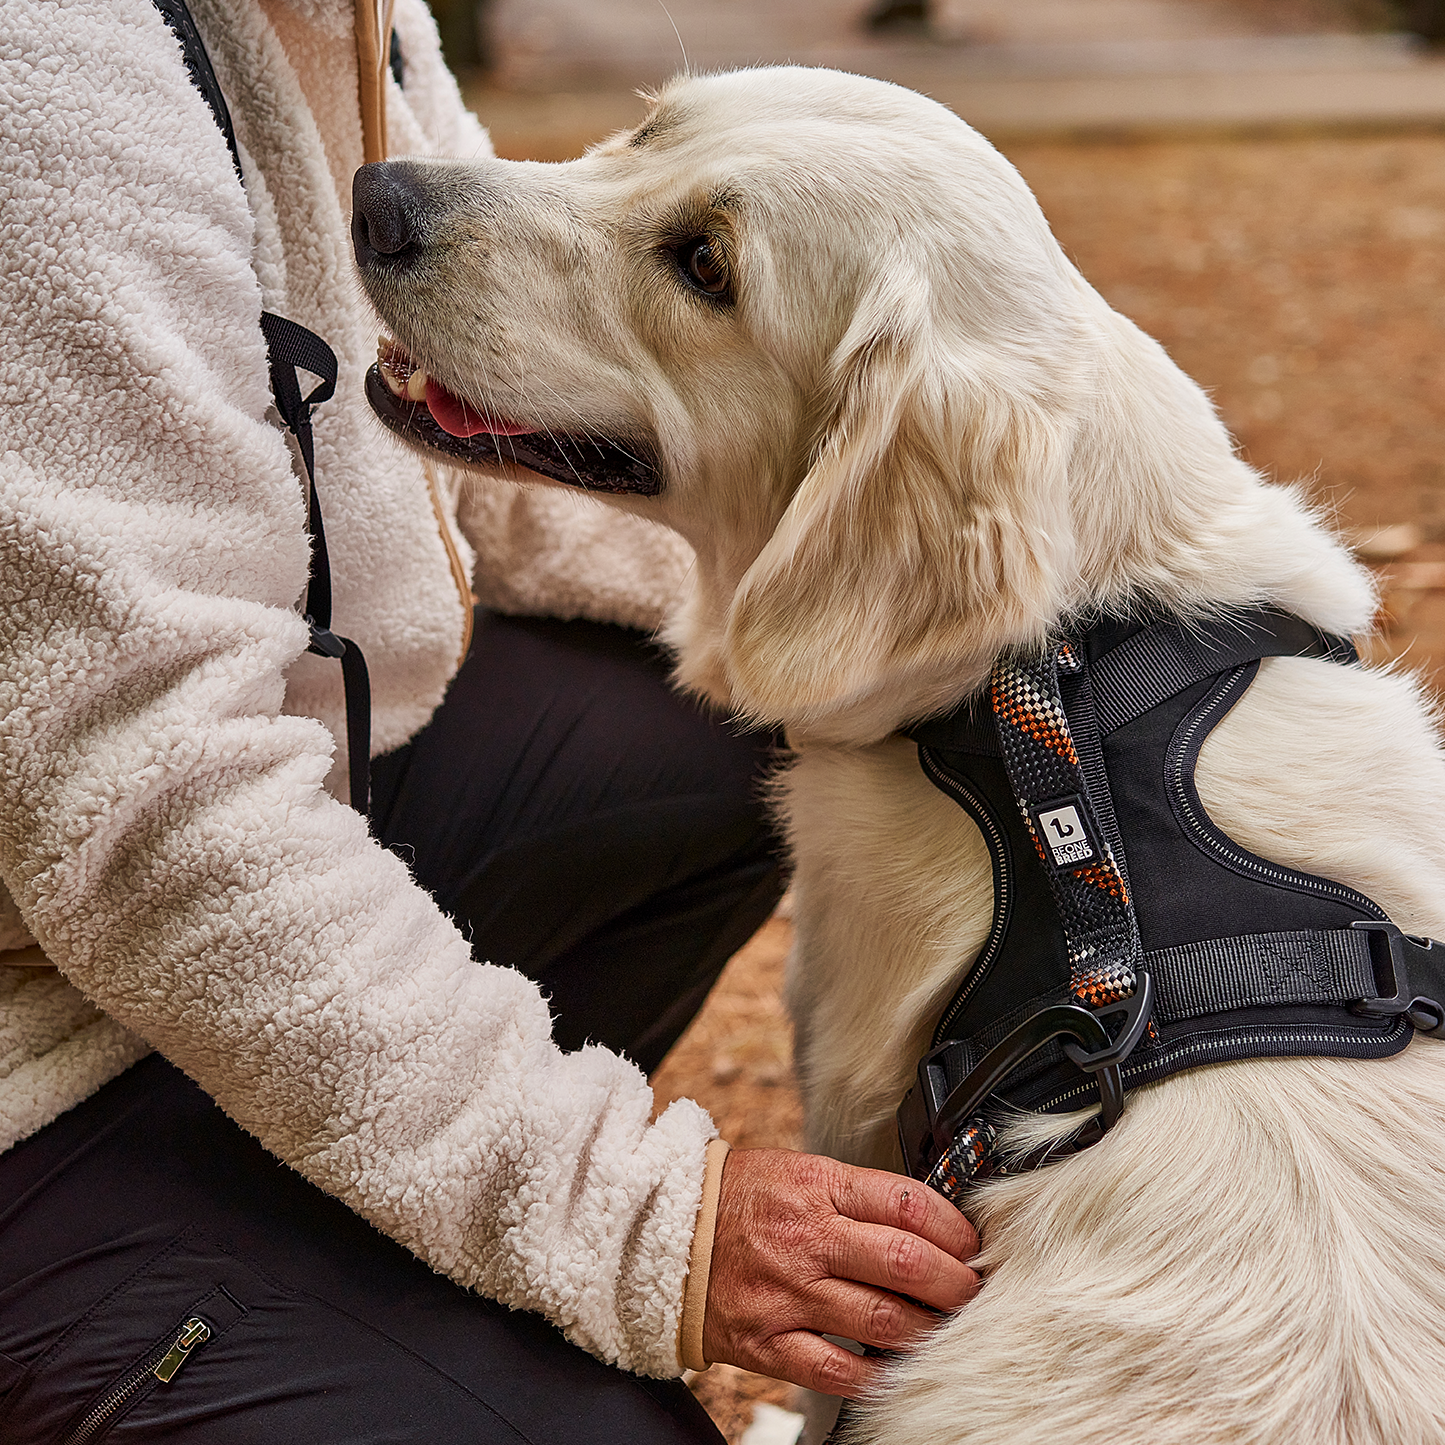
[[385, 213]]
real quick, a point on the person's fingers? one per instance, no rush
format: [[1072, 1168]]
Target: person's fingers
[[873, 1196], [870, 1316], [806, 1246], [906, 1264], [817, 1364]]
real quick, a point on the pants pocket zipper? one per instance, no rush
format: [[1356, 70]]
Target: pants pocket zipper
[[161, 1362]]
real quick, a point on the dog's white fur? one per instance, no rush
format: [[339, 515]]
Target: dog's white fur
[[916, 437]]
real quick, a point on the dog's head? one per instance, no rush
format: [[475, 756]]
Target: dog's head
[[819, 326]]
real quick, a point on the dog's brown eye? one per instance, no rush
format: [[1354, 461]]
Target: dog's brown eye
[[705, 265]]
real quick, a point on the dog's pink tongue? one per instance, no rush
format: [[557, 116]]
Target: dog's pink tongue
[[453, 415]]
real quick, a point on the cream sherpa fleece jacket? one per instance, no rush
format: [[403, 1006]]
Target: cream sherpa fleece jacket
[[165, 832]]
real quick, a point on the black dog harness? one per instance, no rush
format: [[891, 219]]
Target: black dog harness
[[1131, 938]]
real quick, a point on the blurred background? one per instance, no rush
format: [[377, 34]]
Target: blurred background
[[1260, 184]]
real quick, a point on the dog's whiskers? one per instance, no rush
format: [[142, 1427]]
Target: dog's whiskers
[[585, 428]]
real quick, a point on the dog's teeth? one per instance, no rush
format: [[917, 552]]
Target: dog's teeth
[[416, 385], [394, 363]]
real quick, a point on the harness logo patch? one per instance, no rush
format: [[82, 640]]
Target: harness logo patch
[[1065, 834]]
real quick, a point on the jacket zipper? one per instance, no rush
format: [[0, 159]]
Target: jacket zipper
[[161, 1361], [978, 811]]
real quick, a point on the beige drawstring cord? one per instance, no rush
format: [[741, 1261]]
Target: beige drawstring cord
[[373, 56], [373, 59]]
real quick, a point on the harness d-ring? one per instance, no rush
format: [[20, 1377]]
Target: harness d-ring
[[1087, 1043], [1137, 1009]]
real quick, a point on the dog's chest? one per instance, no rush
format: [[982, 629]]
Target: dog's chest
[[894, 895]]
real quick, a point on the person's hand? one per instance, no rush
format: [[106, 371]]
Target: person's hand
[[806, 1246]]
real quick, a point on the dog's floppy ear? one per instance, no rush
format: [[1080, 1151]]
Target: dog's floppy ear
[[931, 530]]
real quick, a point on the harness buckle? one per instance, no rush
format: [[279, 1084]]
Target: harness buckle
[[324, 642], [1424, 1015]]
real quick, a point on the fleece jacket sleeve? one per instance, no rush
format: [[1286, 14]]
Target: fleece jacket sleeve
[[163, 827]]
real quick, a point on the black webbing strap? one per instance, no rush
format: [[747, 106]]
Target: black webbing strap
[[1155, 663], [1330, 965], [1194, 980], [1167, 657], [290, 346]]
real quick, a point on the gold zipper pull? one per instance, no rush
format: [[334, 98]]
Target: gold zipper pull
[[194, 1332]]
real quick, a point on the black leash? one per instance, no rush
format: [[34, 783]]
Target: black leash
[[291, 346]]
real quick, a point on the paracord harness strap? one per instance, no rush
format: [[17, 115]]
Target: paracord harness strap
[[1131, 939], [290, 346]]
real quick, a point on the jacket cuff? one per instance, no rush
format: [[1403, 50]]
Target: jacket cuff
[[699, 1264]]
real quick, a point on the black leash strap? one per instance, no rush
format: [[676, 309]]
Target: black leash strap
[[1080, 852], [1085, 873], [290, 346]]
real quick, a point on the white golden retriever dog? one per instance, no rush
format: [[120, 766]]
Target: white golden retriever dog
[[902, 434]]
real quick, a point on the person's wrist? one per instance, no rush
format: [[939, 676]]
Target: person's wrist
[[692, 1323]]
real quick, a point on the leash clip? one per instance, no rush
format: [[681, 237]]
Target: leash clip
[[1424, 1015], [933, 1113], [1137, 1009]]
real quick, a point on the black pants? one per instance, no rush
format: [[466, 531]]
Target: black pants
[[581, 822], [584, 824]]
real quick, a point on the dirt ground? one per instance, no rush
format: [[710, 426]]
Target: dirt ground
[[1298, 278], [556, 45]]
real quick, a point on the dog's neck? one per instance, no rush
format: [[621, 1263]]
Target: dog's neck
[[1165, 510]]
